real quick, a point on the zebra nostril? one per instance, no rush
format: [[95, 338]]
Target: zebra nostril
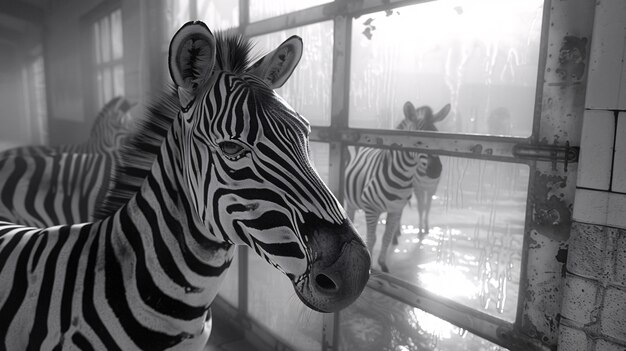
[[324, 282]]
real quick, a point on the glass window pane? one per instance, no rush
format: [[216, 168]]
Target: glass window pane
[[470, 249], [378, 322], [97, 45], [118, 80], [107, 85], [116, 34], [105, 39], [229, 290], [176, 14], [262, 9], [308, 89], [219, 14], [481, 56], [273, 303]]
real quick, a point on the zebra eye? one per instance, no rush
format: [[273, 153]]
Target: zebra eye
[[231, 150]]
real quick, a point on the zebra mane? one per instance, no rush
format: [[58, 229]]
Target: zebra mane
[[136, 156]]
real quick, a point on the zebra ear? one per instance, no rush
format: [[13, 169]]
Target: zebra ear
[[277, 66], [410, 112], [191, 59], [439, 116]]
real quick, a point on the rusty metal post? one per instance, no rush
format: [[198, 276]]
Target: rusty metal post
[[562, 83]]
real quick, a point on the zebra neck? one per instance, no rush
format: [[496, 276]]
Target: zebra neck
[[181, 261], [405, 162]]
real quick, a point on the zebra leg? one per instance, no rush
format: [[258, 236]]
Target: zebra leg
[[394, 241], [429, 199], [371, 219], [393, 223], [421, 206], [398, 232]]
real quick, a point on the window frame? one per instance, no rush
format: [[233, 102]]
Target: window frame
[[91, 66]]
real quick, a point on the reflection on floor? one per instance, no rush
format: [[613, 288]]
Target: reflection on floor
[[376, 322]]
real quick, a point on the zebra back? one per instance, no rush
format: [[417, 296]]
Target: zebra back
[[46, 190]]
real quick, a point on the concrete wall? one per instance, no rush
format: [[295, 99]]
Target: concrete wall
[[594, 303]]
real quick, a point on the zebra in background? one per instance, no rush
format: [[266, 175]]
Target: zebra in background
[[112, 125], [232, 167], [381, 180], [43, 186]]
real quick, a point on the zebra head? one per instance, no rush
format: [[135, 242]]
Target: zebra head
[[112, 125], [422, 118], [246, 163]]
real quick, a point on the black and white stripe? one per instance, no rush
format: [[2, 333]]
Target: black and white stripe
[[382, 180], [231, 168], [42, 186]]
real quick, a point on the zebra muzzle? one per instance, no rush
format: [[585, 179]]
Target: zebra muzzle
[[340, 271]]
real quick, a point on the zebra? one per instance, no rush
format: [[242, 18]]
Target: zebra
[[230, 167], [43, 186], [381, 180], [112, 125]]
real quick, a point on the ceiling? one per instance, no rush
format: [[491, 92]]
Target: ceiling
[[20, 18]]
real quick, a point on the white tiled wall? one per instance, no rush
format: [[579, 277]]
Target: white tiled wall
[[616, 212], [591, 206], [594, 303], [601, 194]]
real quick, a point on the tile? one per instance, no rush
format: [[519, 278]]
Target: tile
[[613, 316], [619, 270], [571, 339], [596, 150], [591, 206], [616, 211], [606, 55], [579, 299], [618, 183], [587, 250]]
